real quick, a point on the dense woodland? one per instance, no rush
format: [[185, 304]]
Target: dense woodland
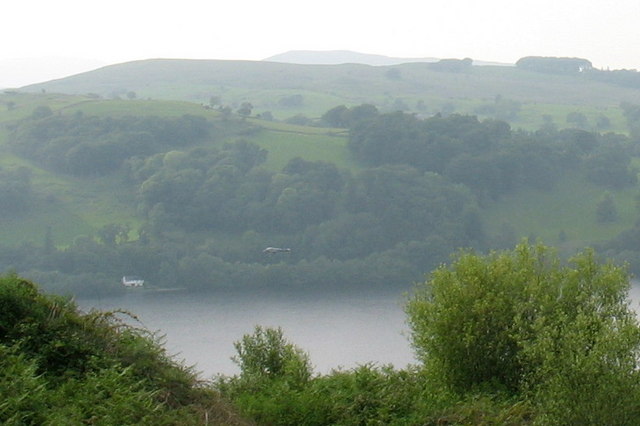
[[209, 206]]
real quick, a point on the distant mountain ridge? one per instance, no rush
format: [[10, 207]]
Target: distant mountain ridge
[[338, 57]]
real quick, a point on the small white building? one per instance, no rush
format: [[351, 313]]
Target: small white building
[[132, 281]]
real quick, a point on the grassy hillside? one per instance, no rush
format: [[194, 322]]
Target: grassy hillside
[[285, 142], [411, 87], [564, 216], [72, 206]]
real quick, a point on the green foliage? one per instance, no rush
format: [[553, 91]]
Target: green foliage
[[485, 409], [81, 145], [276, 387], [16, 191], [22, 390], [520, 322], [245, 109], [488, 156], [267, 355], [341, 116], [190, 201], [326, 86], [452, 65], [41, 111], [606, 211], [58, 366], [577, 119], [610, 166], [299, 120], [515, 337], [373, 395], [554, 65], [632, 114], [501, 109], [368, 395], [291, 101]]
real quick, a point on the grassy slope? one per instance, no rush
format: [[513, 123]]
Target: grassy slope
[[285, 142], [265, 84], [570, 207], [69, 206], [80, 206]]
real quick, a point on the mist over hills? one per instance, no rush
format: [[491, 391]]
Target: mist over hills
[[337, 57]]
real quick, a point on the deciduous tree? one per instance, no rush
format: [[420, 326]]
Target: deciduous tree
[[522, 321]]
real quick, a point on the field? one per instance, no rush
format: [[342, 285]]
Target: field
[[564, 216]]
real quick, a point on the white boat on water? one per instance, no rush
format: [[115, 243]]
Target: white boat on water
[[132, 281]]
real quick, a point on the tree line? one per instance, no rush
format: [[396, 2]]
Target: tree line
[[88, 145], [579, 66], [487, 156]]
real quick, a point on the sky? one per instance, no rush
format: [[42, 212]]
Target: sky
[[87, 33]]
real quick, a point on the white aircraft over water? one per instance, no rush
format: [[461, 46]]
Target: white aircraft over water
[[273, 250]]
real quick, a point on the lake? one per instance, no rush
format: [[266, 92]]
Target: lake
[[336, 328]]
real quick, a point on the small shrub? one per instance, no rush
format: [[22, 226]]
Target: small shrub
[[266, 354]]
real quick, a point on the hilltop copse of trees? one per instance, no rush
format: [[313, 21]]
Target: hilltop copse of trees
[[575, 66], [512, 337]]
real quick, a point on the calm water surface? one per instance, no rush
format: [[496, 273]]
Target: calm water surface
[[337, 329]]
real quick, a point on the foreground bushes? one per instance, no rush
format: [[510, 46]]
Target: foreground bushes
[[515, 337], [276, 387], [560, 336], [511, 338], [58, 366]]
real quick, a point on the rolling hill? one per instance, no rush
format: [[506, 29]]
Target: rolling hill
[[286, 89]]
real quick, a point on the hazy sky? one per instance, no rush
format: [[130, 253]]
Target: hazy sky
[[605, 32]]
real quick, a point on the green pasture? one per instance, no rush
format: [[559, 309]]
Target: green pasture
[[67, 206], [318, 144], [17, 105], [569, 208], [63, 224], [136, 107]]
